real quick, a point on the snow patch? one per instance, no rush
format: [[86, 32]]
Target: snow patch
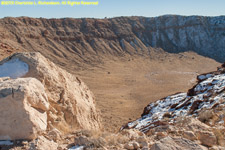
[[203, 77], [6, 143], [77, 147], [14, 68]]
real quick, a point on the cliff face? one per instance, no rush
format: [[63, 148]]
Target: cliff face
[[75, 38]]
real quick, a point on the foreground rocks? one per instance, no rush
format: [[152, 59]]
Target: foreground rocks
[[169, 143], [23, 106], [41, 98], [112, 141]]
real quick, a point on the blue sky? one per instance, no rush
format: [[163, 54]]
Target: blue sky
[[114, 8]]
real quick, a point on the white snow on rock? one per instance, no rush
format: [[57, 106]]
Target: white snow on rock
[[216, 83], [14, 68], [203, 77], [77, 147]]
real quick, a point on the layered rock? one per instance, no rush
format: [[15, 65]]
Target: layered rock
[[85, 40], [71, 105]]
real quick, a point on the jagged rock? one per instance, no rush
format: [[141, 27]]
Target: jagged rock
[[136, 145], [189, 135], [141, 139], [62, 147], [207, 138], [54, 135], [143, 142], [82, 140], [162, 128], [192, 124], [23, 107], [203, 147], [45, 144], [169, 143], [129, 146], [217, 148], [132, 133], [72, 104], [161, 135]]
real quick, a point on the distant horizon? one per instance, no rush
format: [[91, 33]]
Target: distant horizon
[[117, 8], [110, 17]]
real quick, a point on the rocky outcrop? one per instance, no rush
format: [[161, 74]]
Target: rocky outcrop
[[86, 40], [195, 115], [207, 138], [44, 144], [63, 99], [23, 106], [205, 97]]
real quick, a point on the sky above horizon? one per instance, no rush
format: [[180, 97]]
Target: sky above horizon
[[115, 8]]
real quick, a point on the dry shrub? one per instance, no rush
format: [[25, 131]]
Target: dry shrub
[[98, 139], [114, 139], [206, 115], [97, 142], [167, 115], [89, 133]]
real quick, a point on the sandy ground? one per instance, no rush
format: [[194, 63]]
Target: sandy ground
[[123, 87]]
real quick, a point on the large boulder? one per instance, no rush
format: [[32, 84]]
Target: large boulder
[[72, 104], [23, 107], [207, 138]]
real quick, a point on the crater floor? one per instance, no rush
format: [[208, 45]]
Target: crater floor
[[124, 86]]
